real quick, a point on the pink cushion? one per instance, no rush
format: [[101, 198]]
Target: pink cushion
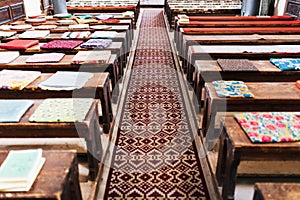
[[19, 44]]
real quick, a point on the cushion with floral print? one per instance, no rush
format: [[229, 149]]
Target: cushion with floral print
[[270, 126], [286, 64], [62, 44], [232, 89]]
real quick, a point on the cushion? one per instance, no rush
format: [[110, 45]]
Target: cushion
[[96, 43], [8, 56], [236, 65], [91, 57], [270, 126], [76, 34], [62, 44], [19, 44], [62, 110], [104, 16], [34, 34], [110, 21], [104, 34], [64, 80], [232, 89], [21, 27], [36, 20], [17, 79], [286, 64], [13, 110], [78, 26], [45, 58], [45, 27], [7, 34]]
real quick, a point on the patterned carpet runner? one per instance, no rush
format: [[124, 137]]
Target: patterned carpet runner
[[155, 155]]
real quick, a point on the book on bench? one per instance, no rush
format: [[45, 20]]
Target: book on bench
[[20, 169]]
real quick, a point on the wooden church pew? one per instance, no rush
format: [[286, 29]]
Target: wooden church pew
[[57, 180], [236, 147], [209, 70], [97, 87], [88, 129]]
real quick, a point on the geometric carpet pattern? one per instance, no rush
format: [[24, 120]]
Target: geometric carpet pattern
[[155, 156]]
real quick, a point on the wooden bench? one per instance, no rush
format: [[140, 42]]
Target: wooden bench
[[209, 70], [89, 129], [114, 47], [268, 96], [119, 37], [115, 15], [106, 9], [235, 147], [57, 180], [227, 18], [66, 65], [205, 52], [276, 191], [97, 87], [223, 26], [185, 41], [174, 8]]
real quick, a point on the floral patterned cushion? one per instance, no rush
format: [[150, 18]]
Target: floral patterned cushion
[[62, 44], [286, 64], [270, 126], [232, 89]]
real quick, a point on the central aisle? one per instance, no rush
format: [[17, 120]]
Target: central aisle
[[155, 154]]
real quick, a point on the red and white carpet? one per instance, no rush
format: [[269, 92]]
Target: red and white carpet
[[155, 155]]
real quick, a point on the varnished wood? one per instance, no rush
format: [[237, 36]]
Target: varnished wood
[[66, 65], [209, 70], [255, 52], [184, 41], [106, 9], [276, 191], [97, 87], [268, 96], [88, 129], [235, 147], [57, 180], [120, 37]]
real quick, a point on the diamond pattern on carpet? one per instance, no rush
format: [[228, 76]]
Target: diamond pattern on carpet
[[155, 156]]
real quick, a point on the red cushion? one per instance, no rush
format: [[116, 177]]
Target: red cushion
[[19, 44], [110, 21]]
